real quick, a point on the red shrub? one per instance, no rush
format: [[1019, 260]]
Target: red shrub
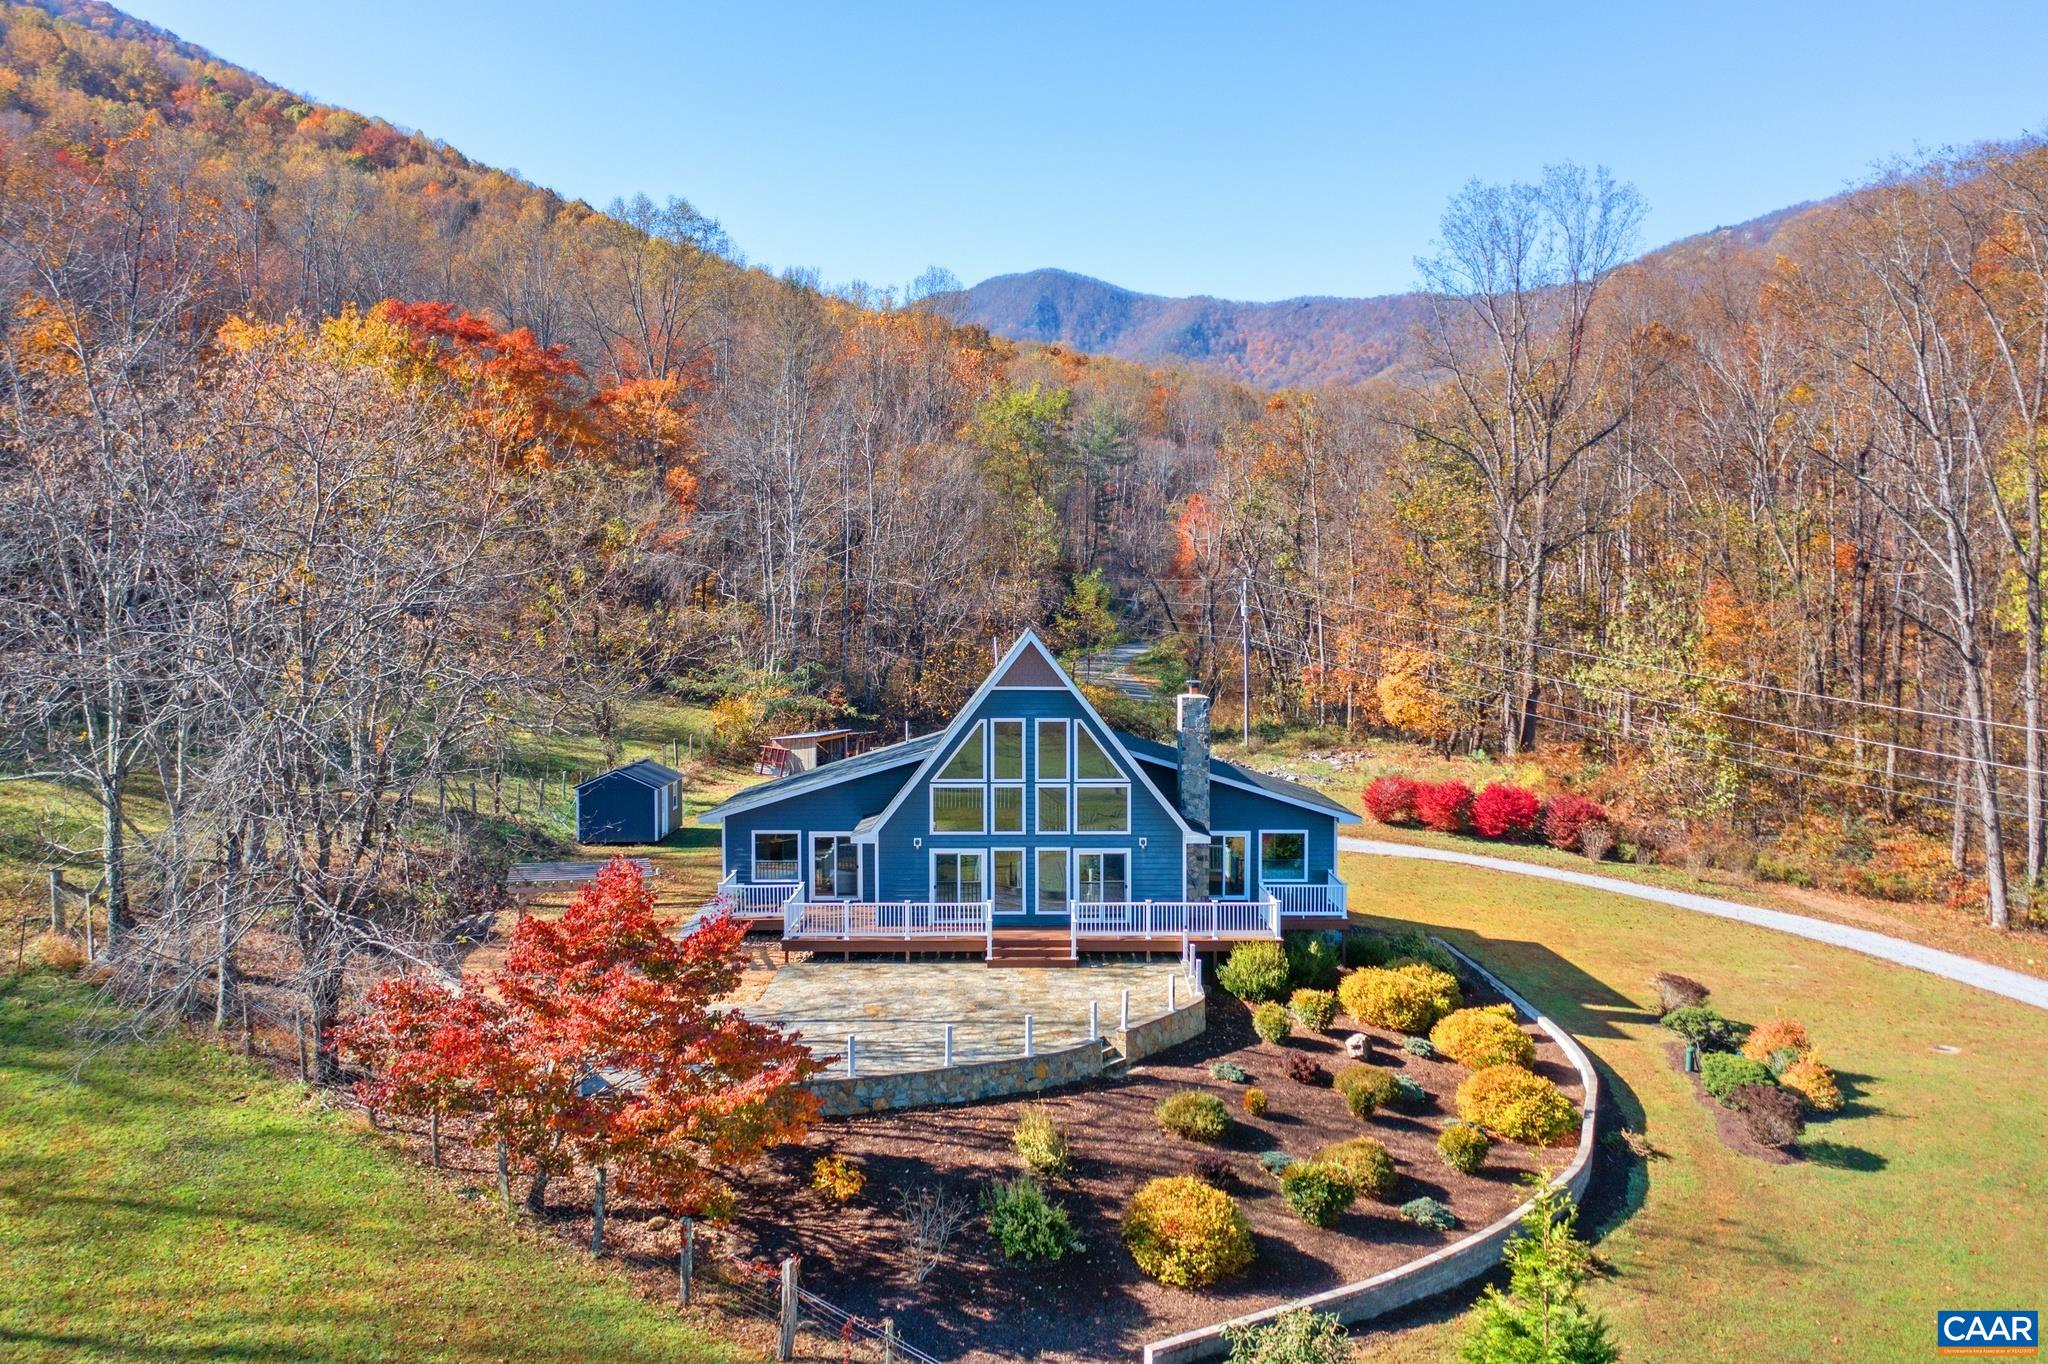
[[1391, 799], [1566, 817], [1503, 811], [1443, 805]]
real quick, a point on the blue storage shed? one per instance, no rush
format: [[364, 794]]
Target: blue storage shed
[[639, 803]]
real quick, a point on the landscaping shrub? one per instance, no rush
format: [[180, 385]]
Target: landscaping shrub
[[1272, 1023], [1318, 1193], [1391, 799], [1517, 1104], [1427, 1212], [1676, 991], [1419, 1046], [1405, 998], [1478, 1038], [1773, 1036], [1304, 1070], [1365, 1087], [1445, 806], [837, 1178], [1463, 1147], [1186, 1234], [1703, 1024], [1041, 1144], [1540, 1317], [1315, 1010], [1416, 945], [59, 952], [1298, 1336], [1027, 1224], [1408, 1094], [1364, 1162], [1214, 1168], [1193, 1115], [1810, 1076], [1229, 1071], [1363, 947], [1772, 1115], [1504, 811], [1254, 971], [1311, 960], [1255, 1101], [1566, 817], [1273, 1162], [1721, 1073]]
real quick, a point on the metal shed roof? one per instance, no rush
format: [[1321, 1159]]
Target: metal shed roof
[[647, 772]]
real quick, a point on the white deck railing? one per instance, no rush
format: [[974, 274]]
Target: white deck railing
[[887, 920], [1306, 898], [1173, 919], [756, 899]]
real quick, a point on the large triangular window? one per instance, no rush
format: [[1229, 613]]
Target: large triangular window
[[969, 761], [1090, 762]]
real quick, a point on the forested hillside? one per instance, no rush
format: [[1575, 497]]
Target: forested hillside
[[328, 458]]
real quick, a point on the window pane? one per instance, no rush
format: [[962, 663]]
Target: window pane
[[1103, 877], [835, 868], [1102, 809], [1228, 875], [1052, 880], [1283, 857], [1052, 750], [775, 858], [1009, 809], [969, 762], [1006, 874], [1089, 759], [1052, 809], [1009, 749], [822, 865], [968, 885], [957, 809]]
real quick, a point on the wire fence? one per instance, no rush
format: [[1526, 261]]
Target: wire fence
[[807, 1325]]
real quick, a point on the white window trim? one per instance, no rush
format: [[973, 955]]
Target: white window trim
[[1074, 810], [1301, 880], [1038, 748], [1250, 843], [1038, 885], [1025, 857], [1023, 748], [1066, 794], [754, 854], [979, 732], [931, 801], [810, 882], [1027, 815], [1074, 857], [931, 883], [1074, 758]]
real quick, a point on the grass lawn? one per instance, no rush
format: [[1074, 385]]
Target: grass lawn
[[173, 1203], [1924, 1194]]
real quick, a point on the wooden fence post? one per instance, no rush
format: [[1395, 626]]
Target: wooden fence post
[[597, 1216], [686, 1264], [888, 1340], [56, 900], [785, 1341]]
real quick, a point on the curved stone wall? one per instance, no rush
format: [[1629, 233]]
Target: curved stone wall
[[1454, 1264]]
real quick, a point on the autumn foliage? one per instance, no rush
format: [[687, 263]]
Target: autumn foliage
[[1566, 818], [1391, 799], [1445, 806], [1505, 811], [594, 1044]]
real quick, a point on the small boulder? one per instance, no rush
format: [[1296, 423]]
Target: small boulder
[[1358, 1046]]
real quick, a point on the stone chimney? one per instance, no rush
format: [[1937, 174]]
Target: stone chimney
[[1191, 721]]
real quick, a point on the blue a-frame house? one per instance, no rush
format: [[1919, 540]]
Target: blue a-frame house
[[1028, 812]]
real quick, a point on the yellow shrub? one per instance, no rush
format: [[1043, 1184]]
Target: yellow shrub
[[1186, 1234], [837, 1179], [1815, 1082], [1254, 1101], [1364, 1162], [59, 952], [1517, 1104], [1478, 1038], [1407, 998], [1766, 1040]]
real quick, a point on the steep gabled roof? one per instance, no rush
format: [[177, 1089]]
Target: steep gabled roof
[[647, 772], [822, 776], [1244, 778], [1041, 670]]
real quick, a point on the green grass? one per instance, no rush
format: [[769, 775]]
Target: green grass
[[1923, 1195], [172, 1203]]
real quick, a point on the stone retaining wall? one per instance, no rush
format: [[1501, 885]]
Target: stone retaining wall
[[840, 1097], [1454, 1264]]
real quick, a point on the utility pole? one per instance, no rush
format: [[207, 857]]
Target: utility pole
[[1244, 653]]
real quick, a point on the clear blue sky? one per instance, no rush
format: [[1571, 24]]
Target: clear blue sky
[[1257, 151]]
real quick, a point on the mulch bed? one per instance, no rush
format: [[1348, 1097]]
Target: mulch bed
[[1729, 1125], [1097, 1305]]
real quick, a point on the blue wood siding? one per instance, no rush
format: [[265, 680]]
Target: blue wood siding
[[1155, 867], [1238, 811], [829, 810]]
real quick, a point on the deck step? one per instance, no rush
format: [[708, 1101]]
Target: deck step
[[1027, 949]]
